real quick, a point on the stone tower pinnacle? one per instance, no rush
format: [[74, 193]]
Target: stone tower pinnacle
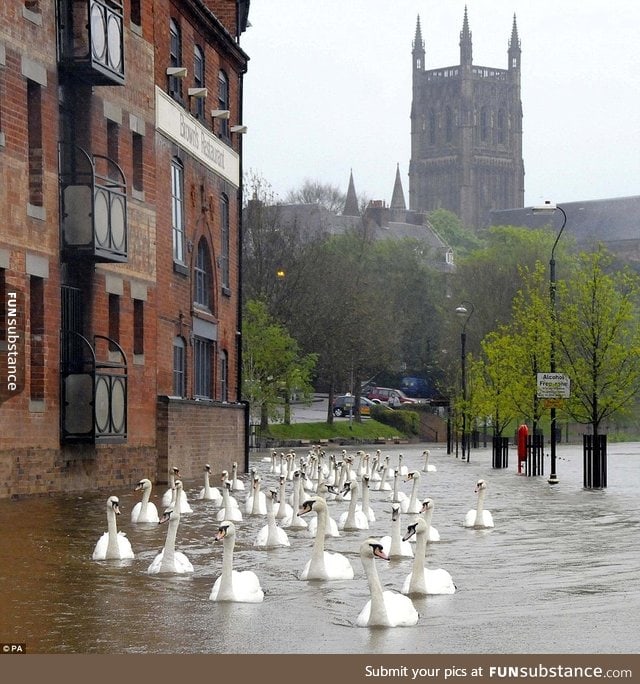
[[351, 201], [397, 198], [465, 40]]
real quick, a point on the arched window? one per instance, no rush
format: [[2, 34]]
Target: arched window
[[177, 209], [203, 277], [198, 81], [449, 124], [432, 127], [175, 60], [501, 127], [179, 367], [484, 124], [223, 103]]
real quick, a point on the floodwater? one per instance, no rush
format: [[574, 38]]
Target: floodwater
[[559, 573]]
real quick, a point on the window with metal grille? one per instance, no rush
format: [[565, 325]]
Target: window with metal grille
[[179, 367], [202, 368], [224, 376]]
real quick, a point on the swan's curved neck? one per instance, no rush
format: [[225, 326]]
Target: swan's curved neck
[[396, 536], [417, 573], [480, 506], [414, 494], [365, 497], [207, 485], [378, 614], [255, 508], [396, 477], [351, 516], [168, 557], [146, 493], [226, 580], [112, 528], [316, 567]]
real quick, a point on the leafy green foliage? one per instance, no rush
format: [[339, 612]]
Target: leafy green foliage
[[273, 366]]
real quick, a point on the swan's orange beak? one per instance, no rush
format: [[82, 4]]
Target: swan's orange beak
[[378, 552], [220, 534]]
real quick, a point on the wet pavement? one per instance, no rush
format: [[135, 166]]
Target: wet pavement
[[559, 573]]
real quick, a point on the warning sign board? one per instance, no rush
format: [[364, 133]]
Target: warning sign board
[[553, 386]]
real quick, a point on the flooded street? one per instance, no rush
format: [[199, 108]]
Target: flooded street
[[559, 573]]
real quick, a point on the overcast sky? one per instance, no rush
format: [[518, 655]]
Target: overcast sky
[[328, 89]]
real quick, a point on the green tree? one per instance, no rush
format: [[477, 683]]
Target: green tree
[[599, 339], [273, 366]]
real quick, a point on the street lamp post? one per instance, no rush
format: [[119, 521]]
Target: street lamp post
[[464, 311], [549, 208]]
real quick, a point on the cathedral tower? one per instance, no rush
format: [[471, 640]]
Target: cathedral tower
[[466, 133]]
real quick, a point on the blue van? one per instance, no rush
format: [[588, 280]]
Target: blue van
[[416, 387]]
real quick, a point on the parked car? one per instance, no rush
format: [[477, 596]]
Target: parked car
[[390, 396], [343, 405], [415, 387]]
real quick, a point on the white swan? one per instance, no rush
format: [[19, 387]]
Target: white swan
[[365, 506], [170, 494], [323, 565], [209, 493], [234, 585], [353, 519], [396, 495], [169, 560], [421, 580], [167, 497], [144, 511], [285, 510], [224, 479], [294, 521], [227, 511], [393, 544], [427, 513], [479, 517], [384, 608], [113, 545], [256, 502], [236, 484], [271, 535], [427, 467], [413, 505]]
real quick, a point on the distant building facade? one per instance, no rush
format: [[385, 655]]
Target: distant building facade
[[466, 133], [119, 241]]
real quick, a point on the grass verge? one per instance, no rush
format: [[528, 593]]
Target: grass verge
[[366, 431]]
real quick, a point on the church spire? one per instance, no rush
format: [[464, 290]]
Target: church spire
[[351, 201], [514, 47], [465, 40], [397, 198], [418, 48]]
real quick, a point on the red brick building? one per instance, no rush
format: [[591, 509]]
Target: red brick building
[[120, 167]]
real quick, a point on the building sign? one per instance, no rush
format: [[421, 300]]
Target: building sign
[[553, 386], [176, 123]]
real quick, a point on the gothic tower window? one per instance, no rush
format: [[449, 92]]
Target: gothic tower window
[[432, 127], [449, 124]]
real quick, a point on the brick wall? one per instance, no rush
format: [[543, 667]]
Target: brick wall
[[29, 472], [192, 433]]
